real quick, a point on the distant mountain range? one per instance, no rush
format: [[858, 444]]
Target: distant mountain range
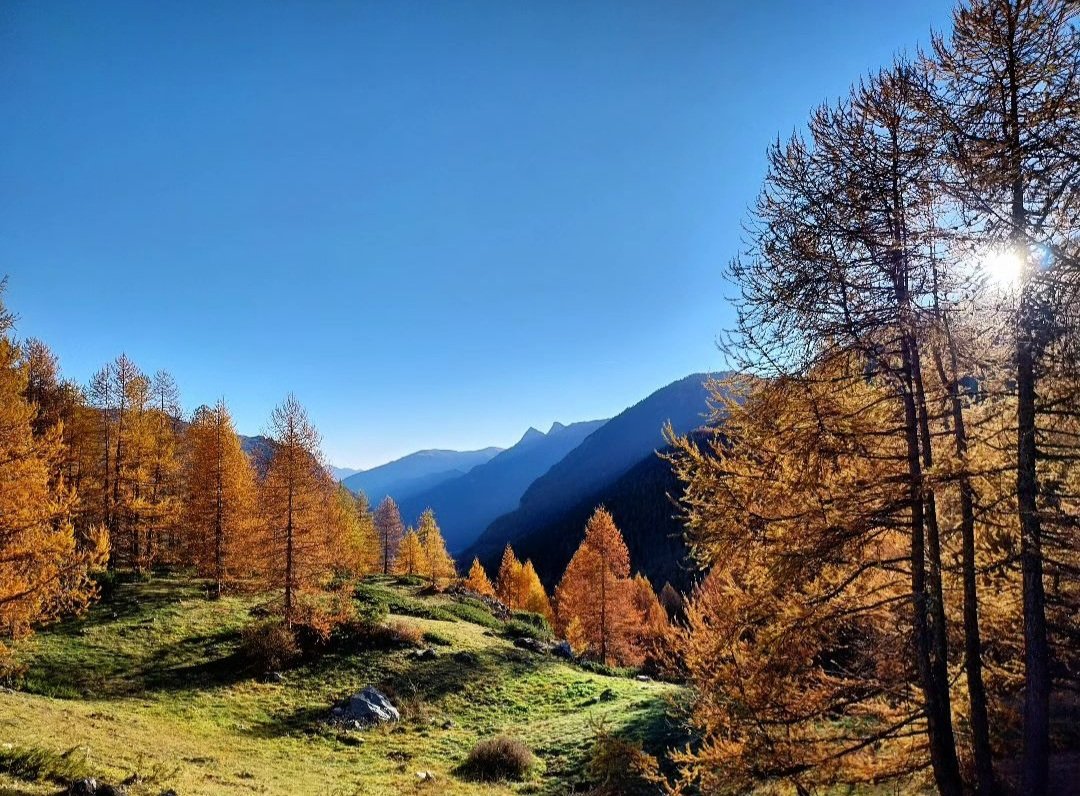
[[601, 459], [643, 503], [405, 477], [341, 473], [467, 504]]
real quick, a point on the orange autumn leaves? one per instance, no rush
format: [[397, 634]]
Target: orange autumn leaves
[[599, 608], [602, 610]]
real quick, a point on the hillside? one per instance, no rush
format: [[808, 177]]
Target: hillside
[[415, 472], [465, 505], [601, 459], [149, 686]]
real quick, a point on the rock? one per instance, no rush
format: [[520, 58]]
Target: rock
[[643, 678], [104, 789], [337, 710], [563, 650], [425, 776], [448, 724], [169, 792], [532, 644], [276, 677], [426, 654], [371, 706], [467, 657], [83, 787]]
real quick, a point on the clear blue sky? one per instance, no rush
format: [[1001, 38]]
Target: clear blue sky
[[437, 223]]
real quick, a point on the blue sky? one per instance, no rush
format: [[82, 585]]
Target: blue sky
[[437, 223]]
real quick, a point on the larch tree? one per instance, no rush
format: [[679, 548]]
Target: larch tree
[[438, 564], [477, 580], [164, 466], [410, 556], [508, 581], [391, 531], [219, 501], [357, 540], [594, 592], [295, 490], [42, 571], [1007, 102], [532, 595]]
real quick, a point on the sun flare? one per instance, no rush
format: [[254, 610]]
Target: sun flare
[[1002, 266]]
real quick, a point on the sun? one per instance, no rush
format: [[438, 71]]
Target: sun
[[1002, 266]]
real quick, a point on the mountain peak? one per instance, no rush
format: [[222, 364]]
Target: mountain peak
[[556, 426], [531, 435]]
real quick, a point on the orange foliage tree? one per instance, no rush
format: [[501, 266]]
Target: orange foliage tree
[[295, 492], [508, 582], [477, 580], [219, 499], [595, 596], [43, 572]]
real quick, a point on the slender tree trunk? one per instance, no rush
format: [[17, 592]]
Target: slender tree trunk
[[943, 758], [289, 555], [1036, 650], [219, 529], [1035, 763], [980, 723]]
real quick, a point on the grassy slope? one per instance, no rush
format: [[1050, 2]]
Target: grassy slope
[[149, 683]]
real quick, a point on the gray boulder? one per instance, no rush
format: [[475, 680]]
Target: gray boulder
[[371, 706], [563, 650]]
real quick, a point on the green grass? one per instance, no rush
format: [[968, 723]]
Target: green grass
[[151, 684]]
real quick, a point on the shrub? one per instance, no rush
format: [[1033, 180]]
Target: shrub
[[438, 639], [525, 625], [106, 581], [31, 763], [473, 611], [539, 623], [498, 759], [617, 766], [269, 645], [405, 634]]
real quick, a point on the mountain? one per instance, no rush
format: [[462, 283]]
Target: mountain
[[641, 502], [600, 460], [341, 473], [403, 477], [465, 505]]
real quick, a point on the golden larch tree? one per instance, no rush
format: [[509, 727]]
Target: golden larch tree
[[508, 582], [410, 557], [595, 592], [294, 494], [42, 572], [531, 594], [477, 580], [219, 499], [391, 530], [438, 563]]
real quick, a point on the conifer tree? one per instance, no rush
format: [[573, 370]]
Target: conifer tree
[[595, 591], [478, 581], [391, 530], [410, 556], [219, 499], [42, 571], [531, 594], [295, 492], [438, 563], [508, 582], [357, 541], [1008, 108]]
